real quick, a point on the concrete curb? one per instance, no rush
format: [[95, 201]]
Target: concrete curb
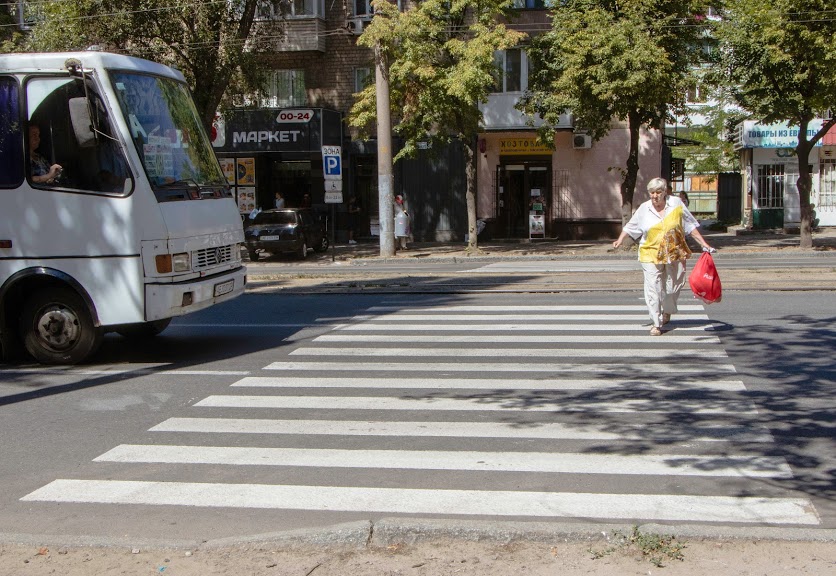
[[390, 531]]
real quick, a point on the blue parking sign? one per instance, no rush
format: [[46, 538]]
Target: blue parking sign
[[332, 162]]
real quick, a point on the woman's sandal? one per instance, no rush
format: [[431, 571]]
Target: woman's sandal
[[655, 331]]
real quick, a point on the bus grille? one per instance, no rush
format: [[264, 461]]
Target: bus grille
[[208, 257]]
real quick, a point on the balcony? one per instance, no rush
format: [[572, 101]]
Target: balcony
[[301, 35], [498, 113]]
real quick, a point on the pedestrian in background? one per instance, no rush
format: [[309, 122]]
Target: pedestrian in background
[[353, 217], [401, 223], [661, 224], [279, 202], [684, 197]]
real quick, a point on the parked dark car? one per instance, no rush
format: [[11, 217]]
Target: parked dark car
[[285, 231]]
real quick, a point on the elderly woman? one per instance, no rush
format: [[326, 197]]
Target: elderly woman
[[662, 224]]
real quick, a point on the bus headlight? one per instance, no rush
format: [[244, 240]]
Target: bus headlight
[[182, 262]]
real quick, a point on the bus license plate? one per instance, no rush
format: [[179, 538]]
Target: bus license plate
[[224, 287]]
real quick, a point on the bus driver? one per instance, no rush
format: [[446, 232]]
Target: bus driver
[[42, 171]]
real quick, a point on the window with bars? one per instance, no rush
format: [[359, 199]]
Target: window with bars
[[284, 88], [771, 182], [827, 185]]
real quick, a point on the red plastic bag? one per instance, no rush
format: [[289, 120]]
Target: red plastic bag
[[704, 280]]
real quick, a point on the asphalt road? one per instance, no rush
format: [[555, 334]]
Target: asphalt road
[[744, 418]]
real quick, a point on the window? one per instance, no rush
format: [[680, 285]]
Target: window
[[530, 4], [284, 88], [11, 136], [771, 181], [697, 93], [512, 70], [362, 78], [291, 9], [827, 185], [73, 131], [363, 8]]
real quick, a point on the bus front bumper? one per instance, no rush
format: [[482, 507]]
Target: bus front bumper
[[169, 300]]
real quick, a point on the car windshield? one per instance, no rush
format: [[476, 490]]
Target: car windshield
[[275, 218]]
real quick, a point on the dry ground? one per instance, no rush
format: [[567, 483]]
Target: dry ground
[[699, 557]]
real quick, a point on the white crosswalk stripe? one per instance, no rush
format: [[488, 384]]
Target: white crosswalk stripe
[[491, 402], [565, 462], [572, 393], [437, 502], [678, 383], [494, 430], [648, 370]]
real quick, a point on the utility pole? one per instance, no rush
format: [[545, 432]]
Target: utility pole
[[385, 180]]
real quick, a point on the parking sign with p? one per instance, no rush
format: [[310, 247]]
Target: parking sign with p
[[332, 162]]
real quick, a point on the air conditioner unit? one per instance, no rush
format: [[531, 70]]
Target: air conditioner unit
[[357, 25], [581, 141]]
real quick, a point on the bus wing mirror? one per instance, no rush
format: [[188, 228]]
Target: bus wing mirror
[[82, 123]]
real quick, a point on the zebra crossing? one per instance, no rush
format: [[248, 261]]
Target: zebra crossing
[[476, 411]]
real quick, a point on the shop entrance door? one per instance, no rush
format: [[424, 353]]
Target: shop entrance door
[[520, 188]]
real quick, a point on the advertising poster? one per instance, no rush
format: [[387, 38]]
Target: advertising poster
[[246, 199], [536, 225], [245, 171], [228, 167]]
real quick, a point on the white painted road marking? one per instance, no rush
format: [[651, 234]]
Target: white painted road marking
[[650, 370], [545, 462], [531, 430], [661, 507], [390, 351], [483, 383], [486, 403]]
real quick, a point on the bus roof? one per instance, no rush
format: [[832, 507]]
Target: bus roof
[[90, 59]]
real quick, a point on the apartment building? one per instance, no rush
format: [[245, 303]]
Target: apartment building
[[572, 191]]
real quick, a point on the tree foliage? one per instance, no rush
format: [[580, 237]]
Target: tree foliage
[[628, 60], [440, 57], [212, 42], [778, 62]]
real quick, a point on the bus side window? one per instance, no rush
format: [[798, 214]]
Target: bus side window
[[95, 165], [11, 135]]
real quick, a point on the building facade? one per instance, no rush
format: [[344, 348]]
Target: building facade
[[524, 191]]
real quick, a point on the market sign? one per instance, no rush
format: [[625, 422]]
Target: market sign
[[522, 146], [288, 130], [754, 135]]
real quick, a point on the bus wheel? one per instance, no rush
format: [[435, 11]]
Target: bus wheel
[[56, 327], [144, 329]]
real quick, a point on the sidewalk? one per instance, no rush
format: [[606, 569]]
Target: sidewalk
[[733, 241], [344, 268]]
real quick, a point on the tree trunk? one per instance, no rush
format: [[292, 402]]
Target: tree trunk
[[804, 184], [628, 184], [212, 84], [470, 195]]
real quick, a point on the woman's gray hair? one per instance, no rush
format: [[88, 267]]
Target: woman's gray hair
[[657, 184]]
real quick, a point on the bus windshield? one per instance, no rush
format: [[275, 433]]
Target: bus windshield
[[167, 133]]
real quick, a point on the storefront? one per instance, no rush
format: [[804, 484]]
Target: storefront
[[527, 190], [267, 151], [771, 171], [523, 189]]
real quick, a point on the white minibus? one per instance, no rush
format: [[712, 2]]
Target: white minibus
[[115, 215]]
